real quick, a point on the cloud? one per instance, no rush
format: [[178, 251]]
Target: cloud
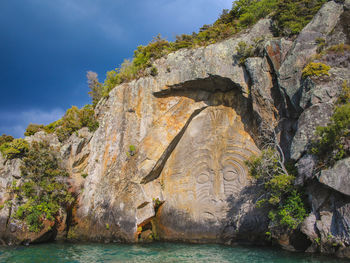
[[15, 123]]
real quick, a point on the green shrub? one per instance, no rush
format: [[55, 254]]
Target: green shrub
[[315, 69], [50, 128], [15, 149], [333, 142], [252, 11], [5, 139], [344, 96], [131, 151], [244, 51], [292, 212], [73, 120], [43, 191], [291, 16], [87, 118], [70, 123], [112, 79], [284, 200], [33, 128]]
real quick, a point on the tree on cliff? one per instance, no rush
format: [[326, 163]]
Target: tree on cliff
[[95, 87], [282, 198]]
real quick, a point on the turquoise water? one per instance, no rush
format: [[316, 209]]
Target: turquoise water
[[155, 252]]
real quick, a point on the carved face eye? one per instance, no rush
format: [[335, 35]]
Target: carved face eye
[[230, 175], [202, 178]]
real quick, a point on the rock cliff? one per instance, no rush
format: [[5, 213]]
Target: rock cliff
[[168, 160]]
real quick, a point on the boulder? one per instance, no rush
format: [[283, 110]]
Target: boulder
[[337, 177], [317, 115]]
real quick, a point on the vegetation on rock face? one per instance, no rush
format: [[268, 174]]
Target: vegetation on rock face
[[281, 197], [95, 87], [315, 69], [33, 128], [16, 148], [340, 48], [333, 142], [43, 190], [289, 16], [284, 200], [131, 151], [244, 51], [5, 138], [73, 120]]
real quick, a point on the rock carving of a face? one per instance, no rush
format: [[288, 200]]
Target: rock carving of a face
[[208, 167]]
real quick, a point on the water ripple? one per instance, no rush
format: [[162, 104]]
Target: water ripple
[[155, 252]]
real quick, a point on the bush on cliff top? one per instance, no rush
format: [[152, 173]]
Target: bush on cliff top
[[5, 138], [73, 120], [16, 148], [289, 18], [33, 128]]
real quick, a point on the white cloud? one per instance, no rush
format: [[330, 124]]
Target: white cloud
[[15, 123]]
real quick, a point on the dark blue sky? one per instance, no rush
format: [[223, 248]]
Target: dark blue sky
[[47, 46]]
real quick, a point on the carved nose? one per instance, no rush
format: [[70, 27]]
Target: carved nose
[[217, 186]]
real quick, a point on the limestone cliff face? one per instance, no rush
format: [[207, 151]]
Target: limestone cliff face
[[196, 108], [169, 155]]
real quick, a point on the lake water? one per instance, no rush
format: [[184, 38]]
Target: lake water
[[155, 252]]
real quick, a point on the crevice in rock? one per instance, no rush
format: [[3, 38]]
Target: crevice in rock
[[157, 169], [142, 205], [286, 125], [48, 236], [81, 160], [212, 84], [9, 216], [147, 230], [300, 241], [69, 220]]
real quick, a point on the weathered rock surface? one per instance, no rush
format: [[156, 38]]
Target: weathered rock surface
[[338, 177], [205, 176], [331, 210], [153, 115], [191, 128], [304, 47], [261, 89], [317, 115]]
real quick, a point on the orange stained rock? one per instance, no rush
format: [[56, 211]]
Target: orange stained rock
[[275, 53], [106, 158]]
